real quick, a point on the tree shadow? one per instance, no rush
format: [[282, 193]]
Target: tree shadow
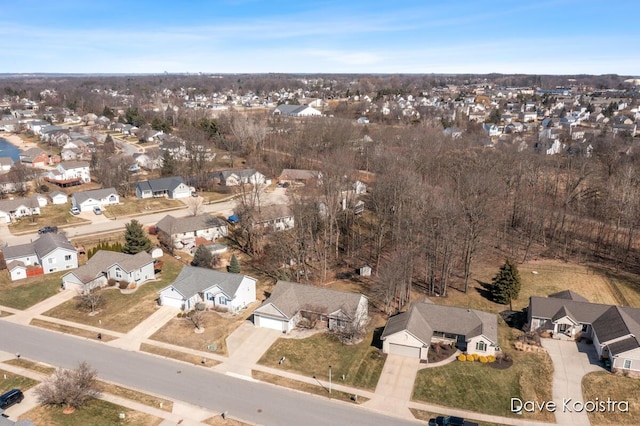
[[376, 342], [484, 290]]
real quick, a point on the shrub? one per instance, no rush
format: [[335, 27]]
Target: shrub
[[470, 357], [132, 286], [491, 358], [482, 359], [475, 357], [73, 388], [462, 357], [123, 284], [111, 282]]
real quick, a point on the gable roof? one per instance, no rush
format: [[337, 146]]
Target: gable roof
[[41, 247], [12, 205], [624, 345], [423, 318], [299, 174], [290, 298], [242, 173], [569, 295], [172, 225], [104, 259], [193, 280], [68, 165], [273, 211], [160, 184], [96, 194]]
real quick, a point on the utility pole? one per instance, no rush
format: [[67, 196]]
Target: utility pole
[[329, 379]]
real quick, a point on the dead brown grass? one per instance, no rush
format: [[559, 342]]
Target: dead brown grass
[[70, 330], [219, 421], [30, 365], [605, 385], [133, 395], [95, 413], [180, 356]]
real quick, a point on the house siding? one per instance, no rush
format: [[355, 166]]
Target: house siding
[[472, 342], [55, 261], [633, 356]]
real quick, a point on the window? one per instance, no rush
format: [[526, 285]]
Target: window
[[627, 364], [585, 328], [563, 327], [222, 300], [481, 346], [52, 260], [67, 257]]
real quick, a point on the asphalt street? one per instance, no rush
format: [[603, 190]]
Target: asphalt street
[[247, 400]]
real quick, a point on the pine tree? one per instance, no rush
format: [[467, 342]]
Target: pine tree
[[234, 265], [168, 164], [506, 284], [202, 257], [135, 238]]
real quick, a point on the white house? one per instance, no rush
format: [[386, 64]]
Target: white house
[[132, 268], [58, 197], [276, 217], [5, 164], [87, 200], [213, 288], [185, 230], [296, 111], [239, 177], [52, 252], [290, 302], [70, 172], [170, 187], [12, 209], [411, 333]]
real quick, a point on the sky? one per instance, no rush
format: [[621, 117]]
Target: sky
[[323, 36]]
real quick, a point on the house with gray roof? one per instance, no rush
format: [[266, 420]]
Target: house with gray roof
[[215, 289], [239, 177], [87, 200], [296, 111], [300, 176], [12, 209], [290, 302], [49, 253], [411, 333], [170, 187], [104, 265], [614, 330], [185, 230], [276, 217]]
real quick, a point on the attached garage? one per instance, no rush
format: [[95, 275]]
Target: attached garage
[[271, 323], [410, 351]]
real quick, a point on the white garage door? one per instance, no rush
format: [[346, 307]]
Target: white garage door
[[273, 324], [404, 350], [169, 301]]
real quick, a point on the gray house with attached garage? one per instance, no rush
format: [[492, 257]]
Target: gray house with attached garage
[[170, 187], [185, 230], [87, 200], [213, 288], [411, 333], [290, 302], [52, 252], [614, 330]]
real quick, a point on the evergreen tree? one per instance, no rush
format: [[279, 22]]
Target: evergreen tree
[[234, 265], [202, 257], [506, 284], [168, 164], [135, 238]]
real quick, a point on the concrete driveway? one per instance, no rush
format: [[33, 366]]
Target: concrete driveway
[[246, 345], [395, 386], [571, 361]]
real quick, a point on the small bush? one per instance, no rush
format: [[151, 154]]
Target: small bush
[[482, 359], [111, 282], [491, 358], [470, 358], [475, 357], [132, 286], [123, 284], [462, 357]]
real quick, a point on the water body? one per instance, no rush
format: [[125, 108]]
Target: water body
[[9, 150]]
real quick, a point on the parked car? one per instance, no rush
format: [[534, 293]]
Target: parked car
[[97, 210], [75, 210], [450, 421], [12, 397], [48, 229]]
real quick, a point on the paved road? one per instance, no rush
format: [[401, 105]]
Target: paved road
[[250, 401]]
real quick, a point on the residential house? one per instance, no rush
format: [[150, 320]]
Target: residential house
[[70, 173], [12, 209], [276, 217], [170, 187], [49, 253], [411, 333], [185, 230], [614, 330], [5, 164], [300, 177], [87, 200], [104, 265], [239, 176], [58, 197], [36, 157], [296, 111], [216, 289], [290, 302]]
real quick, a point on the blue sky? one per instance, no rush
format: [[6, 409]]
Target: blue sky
[[235, 36]]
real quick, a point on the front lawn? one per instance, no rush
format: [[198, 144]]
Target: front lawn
[[132, 206], [603, 385], [51, 215], [23, 294], [360, 364], [14, 381], [122, 312], [483, 388], [96, 413]]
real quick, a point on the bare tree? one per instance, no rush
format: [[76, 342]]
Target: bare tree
[[197, 317], [92, 299], [72, 388], [195, 205]]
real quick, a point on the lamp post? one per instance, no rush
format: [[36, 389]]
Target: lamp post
[[329, 379]]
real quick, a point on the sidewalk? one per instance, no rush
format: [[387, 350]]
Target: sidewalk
[[132, 340]]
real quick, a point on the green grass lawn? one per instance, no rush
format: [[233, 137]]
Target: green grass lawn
[[361, 364], [15, 381], [23, 294], [95, 413], [132, 206], [51, 215], [122, 312], [480, 387]]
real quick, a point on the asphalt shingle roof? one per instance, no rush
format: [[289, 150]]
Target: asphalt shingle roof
[[104, 259], [160, 184], [40, 247], [192, 280], [172, 225], [96, 194]]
